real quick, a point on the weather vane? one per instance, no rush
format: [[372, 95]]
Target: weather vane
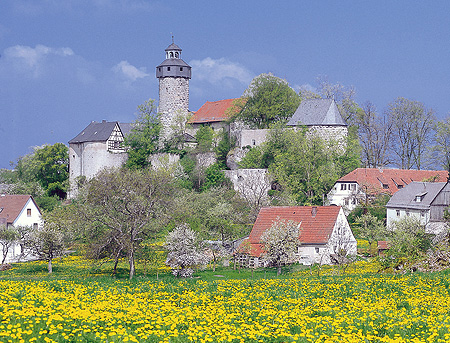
[[172, 37]]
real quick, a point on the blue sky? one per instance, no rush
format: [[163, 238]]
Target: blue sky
[[65, 63]]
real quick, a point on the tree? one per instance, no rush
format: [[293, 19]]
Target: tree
[[374, 135], [144, 137], [412, 126], [184, 251], [8, 236], [280, 242], [49, 240], [128, 206], [441, 147], [408, 240], [370, 228], [269, 99]]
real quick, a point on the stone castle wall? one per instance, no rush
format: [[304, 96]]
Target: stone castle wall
[[173, 100]]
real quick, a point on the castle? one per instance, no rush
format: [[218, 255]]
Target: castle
[[99, 145]]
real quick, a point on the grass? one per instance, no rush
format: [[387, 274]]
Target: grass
[[82, 302]]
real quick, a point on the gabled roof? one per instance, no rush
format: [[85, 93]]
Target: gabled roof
[[314, 229], [212, 111], [314, 112], [12, 204], [100, 132], [373, 178], [406, 197]]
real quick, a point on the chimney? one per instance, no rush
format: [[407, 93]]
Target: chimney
[[313, 211]]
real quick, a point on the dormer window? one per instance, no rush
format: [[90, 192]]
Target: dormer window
[[343, 187], [419, 197], [385, 186]]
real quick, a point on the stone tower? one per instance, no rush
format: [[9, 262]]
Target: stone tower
[[173, 74]]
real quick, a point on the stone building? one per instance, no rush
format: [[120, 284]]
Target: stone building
[[98, 146], [173, 75], [322, 117]]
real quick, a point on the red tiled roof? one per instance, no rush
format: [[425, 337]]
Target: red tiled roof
[[374, 178], [212, 112], [12, 205], [313, 230]]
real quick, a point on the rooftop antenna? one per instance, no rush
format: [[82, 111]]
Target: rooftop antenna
[[172, 37]]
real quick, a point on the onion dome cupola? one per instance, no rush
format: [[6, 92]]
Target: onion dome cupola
[[173, 65]]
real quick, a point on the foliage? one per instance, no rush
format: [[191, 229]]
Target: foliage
[[269, 99], [407, 240], [184, 251], [122, 207], [370, 228], [50, 239], [375, 207], [8, 236], [280, 242], [412, 125], [204, 137], [144, 137], [215, 177], [42, 173], [223, 148]]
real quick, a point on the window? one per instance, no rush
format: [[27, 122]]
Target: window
[[353, 186], [35, 226], [346, 201], [159, 69], [398, 213], [181, 68], [354, 201], [28, 212], [253, 142], [407, 213], [399, 186], [343, 187], [385, 186], [168, 68], [317, 250], [422, 214]]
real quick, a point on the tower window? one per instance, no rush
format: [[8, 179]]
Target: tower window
[[181, 68], [171, 55], [168, 68], [159, 69], [176, 55]]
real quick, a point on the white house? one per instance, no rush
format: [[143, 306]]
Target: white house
[[18, 210], [426, 201], [324, 232], [364, 184], [98, 146]]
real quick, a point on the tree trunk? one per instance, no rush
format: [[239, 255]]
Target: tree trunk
[[116, 262], [50, 267], [279, 270], [131, 259], [5, 253]]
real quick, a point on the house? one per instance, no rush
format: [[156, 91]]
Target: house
[[426, 201], [214, 114], [15, 211], [324, 232], [97, 147], [363, 184]]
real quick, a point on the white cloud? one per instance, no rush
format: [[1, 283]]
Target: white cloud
[[219, 70], [25, 58], [129, 71]]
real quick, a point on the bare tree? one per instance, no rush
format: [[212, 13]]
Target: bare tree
[[441, 146], [412, 126], [374, 136], [281, 242], [184, 251], [371, 228]]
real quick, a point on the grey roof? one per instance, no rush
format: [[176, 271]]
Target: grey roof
[[174, 62], [173, 46], [99, 132], [313, 112], [406, 196]]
